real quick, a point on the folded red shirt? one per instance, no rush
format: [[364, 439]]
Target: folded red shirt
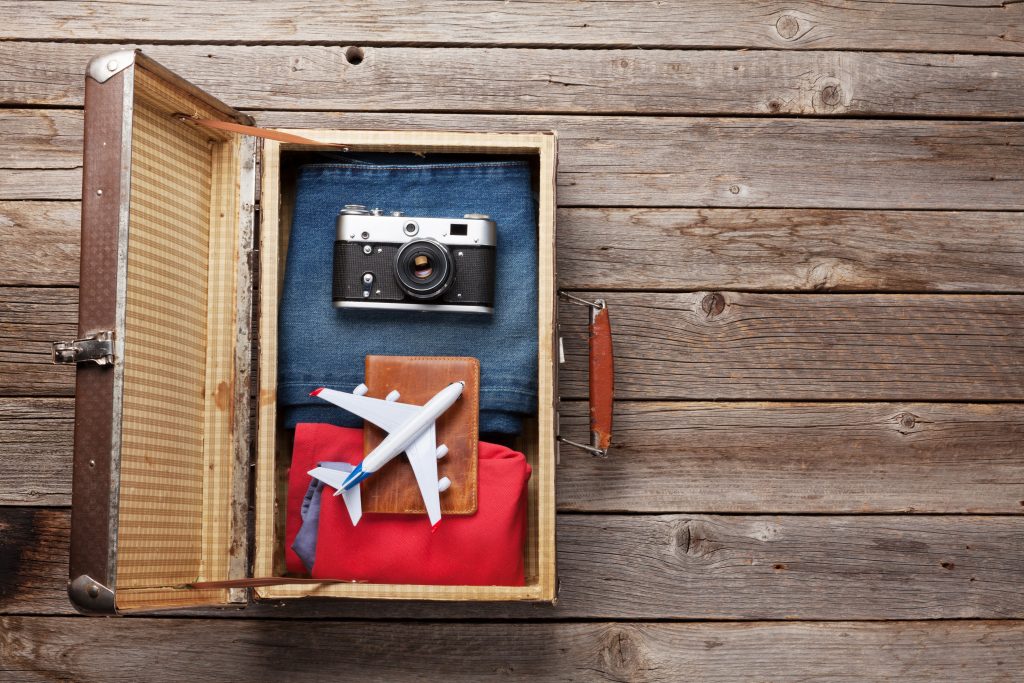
[[483, 549]]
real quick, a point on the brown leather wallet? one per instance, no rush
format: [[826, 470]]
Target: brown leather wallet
[[417, 379]]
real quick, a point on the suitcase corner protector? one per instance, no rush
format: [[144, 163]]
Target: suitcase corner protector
[[91, 597]]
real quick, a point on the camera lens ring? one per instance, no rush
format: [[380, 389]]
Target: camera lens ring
[[424, 268]]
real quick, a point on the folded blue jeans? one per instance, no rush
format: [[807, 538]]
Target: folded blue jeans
[[320, 345]]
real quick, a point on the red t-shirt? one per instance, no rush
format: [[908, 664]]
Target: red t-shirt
[[483, 549]]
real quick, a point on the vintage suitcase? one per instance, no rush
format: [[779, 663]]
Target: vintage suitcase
[[175, 189]]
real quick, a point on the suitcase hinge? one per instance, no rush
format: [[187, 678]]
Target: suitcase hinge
[[97, 348]]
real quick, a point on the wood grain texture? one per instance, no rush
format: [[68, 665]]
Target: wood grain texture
[[727, 345], [666, 161], [34, 544], [31, 318], [696, 457], [803, 250], [671, 567], [149, 650], [699, 346], [36, 439], [569, 81], [686, 249], [945, 25], [810, 457], [40, 243]]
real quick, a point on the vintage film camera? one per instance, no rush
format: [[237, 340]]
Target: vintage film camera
[[392, 261]]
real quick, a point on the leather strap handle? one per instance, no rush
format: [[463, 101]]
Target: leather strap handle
[[267, 133], [257, 582], [602, 377]]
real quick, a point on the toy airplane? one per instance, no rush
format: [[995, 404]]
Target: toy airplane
[[410, 429]]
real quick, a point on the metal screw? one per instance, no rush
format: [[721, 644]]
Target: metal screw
[[367, 278], [367, 249], [365, 235], [93, 591], [99, 193], [112, 65], [460, 253]]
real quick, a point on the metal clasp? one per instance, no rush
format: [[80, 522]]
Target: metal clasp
[[97, 348]]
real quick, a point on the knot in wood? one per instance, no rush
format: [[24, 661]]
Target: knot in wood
[[831, 95], [713, 304], [788, 26], [622, 653], [906, 422]]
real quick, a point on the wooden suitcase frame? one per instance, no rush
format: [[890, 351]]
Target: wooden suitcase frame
[[170, 214]]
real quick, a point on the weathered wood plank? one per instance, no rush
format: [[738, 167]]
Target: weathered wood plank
[[34, 545], [946, 25], [698, 346], [696, 457], [644, 249], [576, 81], [40, 154], [149, 650], [40, 243], [758, 249], [728, 345], [36, 440], [671, 567], [811, 457], [658, 161], [31, 318]]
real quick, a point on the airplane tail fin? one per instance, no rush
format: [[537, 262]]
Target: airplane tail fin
[[334, 474]]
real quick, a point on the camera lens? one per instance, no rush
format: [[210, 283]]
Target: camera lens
[[424, 268]]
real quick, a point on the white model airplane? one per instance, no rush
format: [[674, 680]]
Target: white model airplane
[[410, 429]]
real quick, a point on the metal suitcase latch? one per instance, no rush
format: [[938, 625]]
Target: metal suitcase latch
[[97, 348]]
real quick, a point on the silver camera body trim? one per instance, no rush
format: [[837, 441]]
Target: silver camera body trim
[[360, 225], [431, 308]]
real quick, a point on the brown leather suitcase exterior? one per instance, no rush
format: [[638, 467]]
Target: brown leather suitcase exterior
[[163, 451]]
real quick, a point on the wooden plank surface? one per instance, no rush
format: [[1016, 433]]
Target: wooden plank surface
[[696, 457], [669, 567], [36, 440], [137, 649], [665, 161], [685, 249], [796, 249], [40, 243], [723, 164], [810, 457], [942, 25], [31, 318], [699, 346], [729, 345], [577, 81]]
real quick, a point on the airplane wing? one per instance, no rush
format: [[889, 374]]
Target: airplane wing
[[388, 415], [422, 455]]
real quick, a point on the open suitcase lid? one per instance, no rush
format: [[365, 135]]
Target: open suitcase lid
[[162, 408]]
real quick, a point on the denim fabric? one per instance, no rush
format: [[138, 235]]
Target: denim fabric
[[320, 345]]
